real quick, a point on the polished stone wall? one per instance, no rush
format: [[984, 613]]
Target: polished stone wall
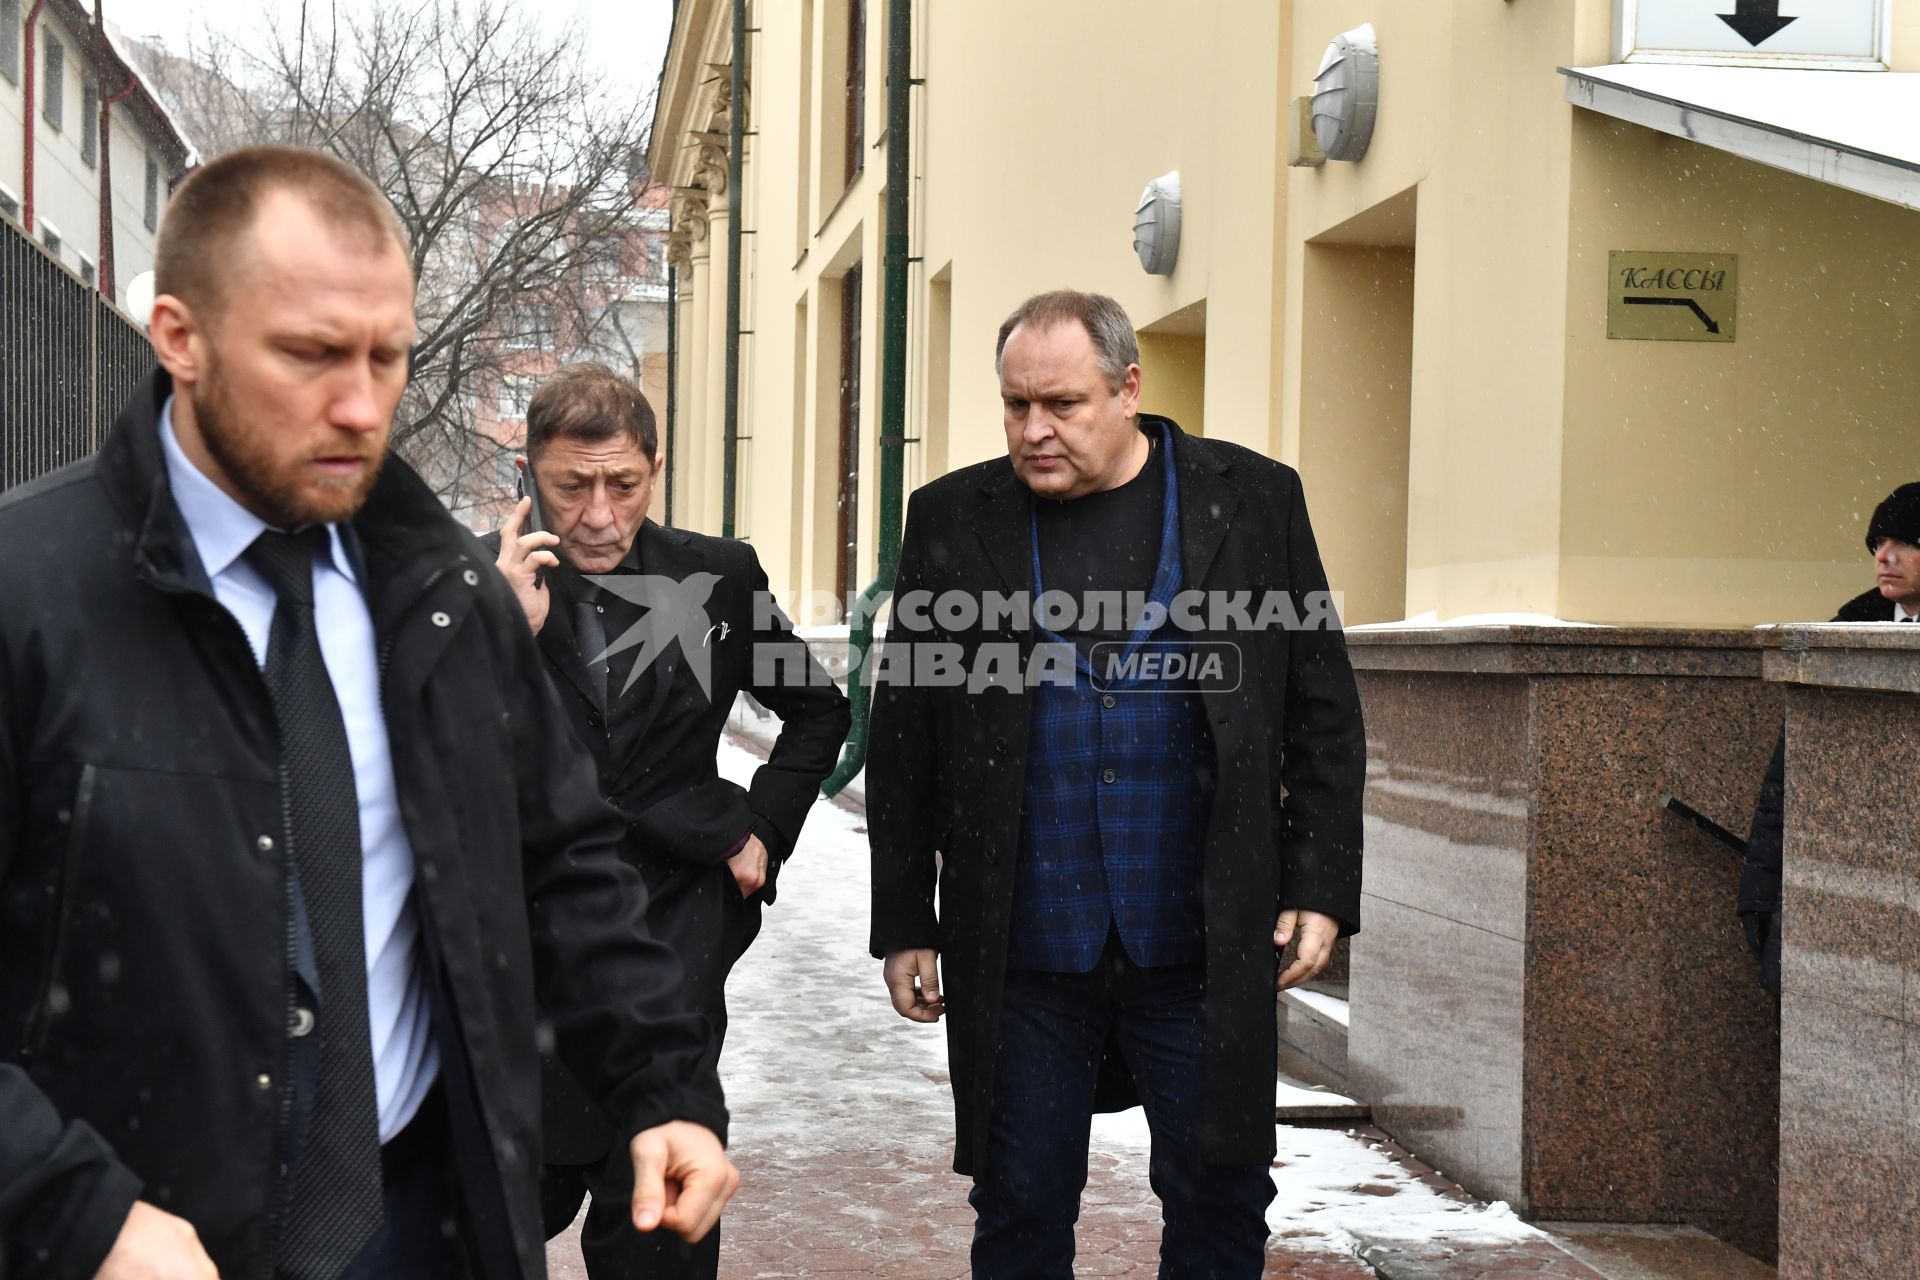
[[1552, 999], [1850, 967]]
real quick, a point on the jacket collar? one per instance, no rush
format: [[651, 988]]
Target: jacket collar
[[1207, 500], [403, 531]]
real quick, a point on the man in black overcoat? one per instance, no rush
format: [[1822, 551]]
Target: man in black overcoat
[[649, 635], [1106, 829], [1893, 539]]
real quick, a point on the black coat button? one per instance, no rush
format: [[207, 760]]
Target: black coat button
[[999, 746]]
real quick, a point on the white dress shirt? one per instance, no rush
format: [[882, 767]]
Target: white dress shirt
[[405, 1060], [1900, 613]]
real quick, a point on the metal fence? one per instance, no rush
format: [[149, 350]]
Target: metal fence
[[68, 360]]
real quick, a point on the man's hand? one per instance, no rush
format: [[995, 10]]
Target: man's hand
[[522, 556], [749, 867], [155, 1245], [1317, 934], [913, 980], [682, 1179]]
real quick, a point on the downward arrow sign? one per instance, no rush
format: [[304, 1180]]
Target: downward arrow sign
[[1757, 21]]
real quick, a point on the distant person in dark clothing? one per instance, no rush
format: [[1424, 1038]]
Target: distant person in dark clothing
[[1893, 536]]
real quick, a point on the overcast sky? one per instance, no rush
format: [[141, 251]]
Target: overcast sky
[[627, 38]]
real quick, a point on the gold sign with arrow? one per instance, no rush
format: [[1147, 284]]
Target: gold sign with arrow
[[1672, 297]]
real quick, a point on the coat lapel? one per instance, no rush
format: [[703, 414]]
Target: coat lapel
[[1207, 503], [1005, 529]]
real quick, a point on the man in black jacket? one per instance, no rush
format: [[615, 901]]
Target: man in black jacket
[[649, 635], [1893, 539], [1120, 856], [291, 874]]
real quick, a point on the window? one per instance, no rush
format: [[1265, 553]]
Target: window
[[856, 158], [10, 40], [153, 192], [88, 275], [50, 237], [53, 105], [90, 124], [603, 259], [9, 204], [516, 392], [526, 328]]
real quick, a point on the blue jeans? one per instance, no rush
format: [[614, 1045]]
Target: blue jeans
[[1026, 1191]]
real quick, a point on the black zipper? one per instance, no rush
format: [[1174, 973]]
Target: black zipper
[[42, 1015]]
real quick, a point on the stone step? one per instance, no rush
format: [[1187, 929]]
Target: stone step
[[1654, 1251], [1313, 1027], [1296, 1100]]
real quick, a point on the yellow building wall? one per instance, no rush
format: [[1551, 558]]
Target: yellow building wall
[[1447, 360], [1029, 186], [1173, 379], [1356, 400], [1043, 124], [1713, 483], [1471, 119]]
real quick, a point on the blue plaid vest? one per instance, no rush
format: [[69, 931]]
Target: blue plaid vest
[[1119, 787]]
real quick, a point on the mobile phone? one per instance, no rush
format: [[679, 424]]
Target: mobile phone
[[531, 491], [535, 521]]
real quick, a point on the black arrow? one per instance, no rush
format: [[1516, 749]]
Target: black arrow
[[1757, 21], [1705, 319]]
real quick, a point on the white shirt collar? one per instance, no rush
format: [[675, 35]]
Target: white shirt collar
[[1900, 613], [221, 528]]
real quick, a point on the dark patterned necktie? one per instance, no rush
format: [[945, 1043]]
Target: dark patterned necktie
[[590, 631], [335, 1206]]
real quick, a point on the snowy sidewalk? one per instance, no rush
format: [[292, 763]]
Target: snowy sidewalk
[[842, 1129]]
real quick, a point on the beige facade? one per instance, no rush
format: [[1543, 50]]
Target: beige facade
[[1423, 333]]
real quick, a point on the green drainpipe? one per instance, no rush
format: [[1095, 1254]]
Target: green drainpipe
[[736, 147], [893, 389]]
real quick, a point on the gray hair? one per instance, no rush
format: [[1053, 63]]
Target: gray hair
[[1104, 320]]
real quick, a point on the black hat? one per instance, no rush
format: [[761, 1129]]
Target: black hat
[[1897, 517]]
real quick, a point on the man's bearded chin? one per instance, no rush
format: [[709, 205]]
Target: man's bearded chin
[[282, 500]]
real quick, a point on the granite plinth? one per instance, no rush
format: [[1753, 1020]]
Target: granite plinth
[[1850, 960], [1552, 998]]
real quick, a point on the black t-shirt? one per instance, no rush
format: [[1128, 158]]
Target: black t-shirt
[[1104, 542]]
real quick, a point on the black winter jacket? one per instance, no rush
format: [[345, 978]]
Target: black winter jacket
[[143, 1045]]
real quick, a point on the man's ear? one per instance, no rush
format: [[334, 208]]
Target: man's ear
[[178, 340]]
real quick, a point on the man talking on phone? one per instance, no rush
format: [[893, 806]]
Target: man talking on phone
[[649, 635]]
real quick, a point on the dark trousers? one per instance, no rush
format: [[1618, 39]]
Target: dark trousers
[[417, 1239], [610, 1245], [710, 927], [1026, 1191]]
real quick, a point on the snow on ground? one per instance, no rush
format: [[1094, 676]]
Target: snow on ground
[[1334, 1190], [1288, 1092], [821, 1073]]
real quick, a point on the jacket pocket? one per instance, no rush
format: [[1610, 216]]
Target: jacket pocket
[[53, 996]]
